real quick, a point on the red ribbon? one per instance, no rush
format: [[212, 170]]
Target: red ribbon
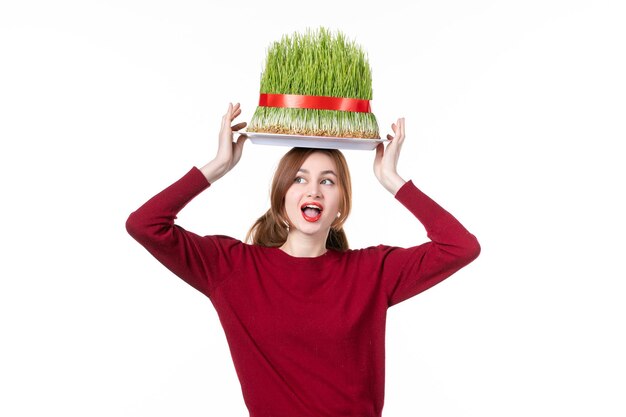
[[295, 101]]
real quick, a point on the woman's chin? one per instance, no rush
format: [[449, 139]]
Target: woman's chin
[[313, 228]]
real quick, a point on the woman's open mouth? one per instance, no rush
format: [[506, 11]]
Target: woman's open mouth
[[312, 211]]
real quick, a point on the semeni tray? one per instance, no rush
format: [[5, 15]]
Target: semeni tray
[[324, 142]]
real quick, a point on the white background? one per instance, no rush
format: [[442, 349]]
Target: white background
[[515, 115]]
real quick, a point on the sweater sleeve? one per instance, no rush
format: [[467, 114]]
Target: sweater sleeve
[[202, 261], [409, 271]]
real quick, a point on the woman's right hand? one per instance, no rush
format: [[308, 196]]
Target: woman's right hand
[[228, 152]]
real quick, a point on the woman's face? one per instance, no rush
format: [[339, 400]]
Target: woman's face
[[312, 201]]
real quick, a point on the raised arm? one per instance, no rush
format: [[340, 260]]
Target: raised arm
[[409, 271], [200, 261]]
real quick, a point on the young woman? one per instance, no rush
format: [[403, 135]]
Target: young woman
[[304, 316]]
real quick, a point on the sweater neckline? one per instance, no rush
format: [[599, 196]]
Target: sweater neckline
[[303, 262]]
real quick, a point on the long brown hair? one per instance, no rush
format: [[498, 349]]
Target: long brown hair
[[272, 228]]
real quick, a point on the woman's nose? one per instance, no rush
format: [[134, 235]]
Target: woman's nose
[[313, 191]]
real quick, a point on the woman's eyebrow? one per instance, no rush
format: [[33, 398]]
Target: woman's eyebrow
[[328, 171]]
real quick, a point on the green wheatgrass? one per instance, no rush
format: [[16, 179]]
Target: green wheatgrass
[[316, 63]]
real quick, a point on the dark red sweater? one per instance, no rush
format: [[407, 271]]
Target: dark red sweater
[[307, 335]]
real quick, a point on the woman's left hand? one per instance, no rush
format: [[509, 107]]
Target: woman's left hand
[[386, 159]]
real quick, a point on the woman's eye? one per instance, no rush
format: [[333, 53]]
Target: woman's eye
[[329, 181], [299, 180]]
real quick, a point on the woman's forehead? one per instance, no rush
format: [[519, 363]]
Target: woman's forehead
[[317, 162]]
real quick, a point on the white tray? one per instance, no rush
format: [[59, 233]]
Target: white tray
[[324, 142]]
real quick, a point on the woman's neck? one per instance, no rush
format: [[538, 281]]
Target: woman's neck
[[304, 246]]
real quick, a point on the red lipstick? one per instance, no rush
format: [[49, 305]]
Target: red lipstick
[[312, 211]]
